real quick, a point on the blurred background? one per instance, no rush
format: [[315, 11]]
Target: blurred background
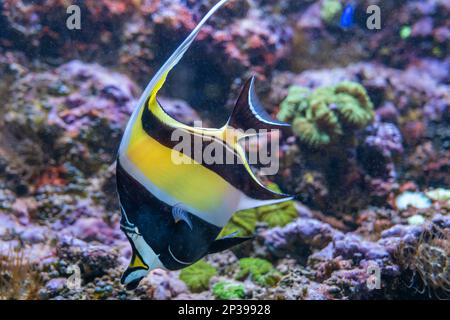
[[368, 153]]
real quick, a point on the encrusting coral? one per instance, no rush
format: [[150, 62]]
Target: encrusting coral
[[412, 199], [259, 270], [197, 276], [322, 116], [439, 194], [330, 9], [381, 146], [224, 290]]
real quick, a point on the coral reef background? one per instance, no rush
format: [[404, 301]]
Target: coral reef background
[[368, 153]]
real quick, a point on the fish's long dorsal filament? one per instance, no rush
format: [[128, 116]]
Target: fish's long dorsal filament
[[159, 79], [157, 82]]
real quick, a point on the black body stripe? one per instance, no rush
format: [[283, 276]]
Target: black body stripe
[[250, 114], [158, 227], [234, 173], [130, 270]]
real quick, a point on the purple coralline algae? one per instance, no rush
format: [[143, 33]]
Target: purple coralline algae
[[68, 94], [297, 236], [75, 114]]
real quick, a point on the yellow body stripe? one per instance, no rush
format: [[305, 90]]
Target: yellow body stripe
[[228, 135], [189, 182]]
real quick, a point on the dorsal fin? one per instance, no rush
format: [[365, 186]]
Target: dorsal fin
[[150, 93], [249, 113]]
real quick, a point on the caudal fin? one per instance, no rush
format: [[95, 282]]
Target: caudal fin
[[249, 113], [136, 271]]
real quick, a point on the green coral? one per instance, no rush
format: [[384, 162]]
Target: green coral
[[322, 116], [197, 276], [297, 99], [405, 32], [243, 222], [261, 271], [226, 290], [275, 215], [330, 10]]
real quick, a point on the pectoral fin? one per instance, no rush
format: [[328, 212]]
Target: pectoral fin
[[226, 243], [180, 214]]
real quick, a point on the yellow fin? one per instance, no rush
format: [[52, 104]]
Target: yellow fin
[[136, 262]]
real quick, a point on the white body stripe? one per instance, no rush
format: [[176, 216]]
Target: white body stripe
[[218, 217], [149, 257], [236, 200]]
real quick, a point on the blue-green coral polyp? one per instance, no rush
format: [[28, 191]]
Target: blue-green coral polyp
[[197, 276], [320, 117], [259, 271]]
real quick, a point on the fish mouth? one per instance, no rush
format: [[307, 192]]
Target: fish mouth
[[132, 277], [133, 284]]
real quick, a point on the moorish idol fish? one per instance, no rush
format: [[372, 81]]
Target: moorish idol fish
[[172, 213]]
